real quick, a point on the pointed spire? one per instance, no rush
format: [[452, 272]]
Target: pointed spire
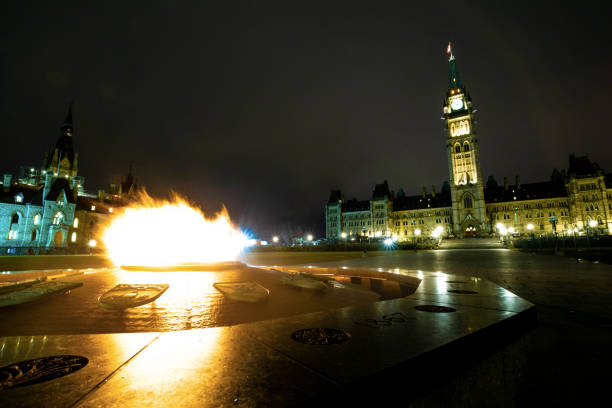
[[68, 121], [454, 80]]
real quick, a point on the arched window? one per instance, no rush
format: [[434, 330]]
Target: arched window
[[36, 219], [34, 235], [57, 219], [466, 147], [15, 219], [467, 202], [457, 148], [599, 221]]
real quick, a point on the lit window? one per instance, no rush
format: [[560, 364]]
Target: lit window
[[36, 219], [19, 198], [110, 210], [73, 237], [58, 218], [12, 234], [93, 208], [76, 223]]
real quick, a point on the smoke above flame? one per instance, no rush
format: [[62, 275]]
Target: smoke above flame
[[170, 232]]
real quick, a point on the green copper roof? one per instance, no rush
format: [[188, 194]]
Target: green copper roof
[[454, 80]]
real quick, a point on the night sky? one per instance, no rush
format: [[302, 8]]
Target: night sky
[[266, 109]]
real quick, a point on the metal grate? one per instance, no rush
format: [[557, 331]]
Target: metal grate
[[39, 370], [320, 336]]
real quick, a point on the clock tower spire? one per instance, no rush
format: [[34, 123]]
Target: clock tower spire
[[467, 193]]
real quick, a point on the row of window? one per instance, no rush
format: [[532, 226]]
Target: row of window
[[589, 186], [466, 147], [13, 235], [594, 197], [57, 219]]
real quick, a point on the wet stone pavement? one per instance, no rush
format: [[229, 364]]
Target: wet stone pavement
[[570, 350], [261, 363]]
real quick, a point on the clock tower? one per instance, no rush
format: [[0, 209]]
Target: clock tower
[[467, 193]]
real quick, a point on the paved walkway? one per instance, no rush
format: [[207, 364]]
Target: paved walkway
[[571, 348]]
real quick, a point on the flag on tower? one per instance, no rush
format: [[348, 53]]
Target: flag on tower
[[448, 49]]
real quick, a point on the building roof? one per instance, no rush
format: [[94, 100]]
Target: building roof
[[581, 166], [28, 192], [527, 191], [102, 207], [454, 79], [59, 185], [381, 191], [354, 205], [335, 196], [418, 202]]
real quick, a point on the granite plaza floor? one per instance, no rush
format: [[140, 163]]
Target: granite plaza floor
[[570, 351], [567, 353]]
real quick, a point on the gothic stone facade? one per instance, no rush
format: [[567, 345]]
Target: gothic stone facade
[[578, 200], [47, 208]]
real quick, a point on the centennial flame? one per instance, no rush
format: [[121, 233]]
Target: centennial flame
[[158, 232]]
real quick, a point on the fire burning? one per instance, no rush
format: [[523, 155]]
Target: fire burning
[[159, 233]]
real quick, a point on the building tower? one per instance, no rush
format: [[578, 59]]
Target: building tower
[[467, 194], [62, 161]]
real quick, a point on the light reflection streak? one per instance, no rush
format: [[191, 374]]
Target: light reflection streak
[[165, 360]]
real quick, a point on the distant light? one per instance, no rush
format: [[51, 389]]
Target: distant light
[[417, 231], [251, 242], [110, 210], [31, 170], [309, 237], [529, 227], [511, 230], [55, 174], [592, 223], [437, 232], [275, 239], [343, 235], [394, 237], [93, 243], [93, 208], [73, 237], [264, 243], [378, 233], [388, 242], [500, 225]]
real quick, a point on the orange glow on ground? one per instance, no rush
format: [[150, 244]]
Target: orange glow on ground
[[159, 233]]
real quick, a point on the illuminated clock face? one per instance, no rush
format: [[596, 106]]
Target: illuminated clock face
[[457, 104]]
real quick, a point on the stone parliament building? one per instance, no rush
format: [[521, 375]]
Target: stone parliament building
[[577, 201], [46, 209]]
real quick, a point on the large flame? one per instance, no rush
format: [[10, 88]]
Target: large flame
[[160, 233]]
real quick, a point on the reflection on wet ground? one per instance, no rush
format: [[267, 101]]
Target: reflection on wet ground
[[190, 302]]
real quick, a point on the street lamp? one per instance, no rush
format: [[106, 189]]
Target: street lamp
[[343, 235], [309, 237], [275, 239]]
